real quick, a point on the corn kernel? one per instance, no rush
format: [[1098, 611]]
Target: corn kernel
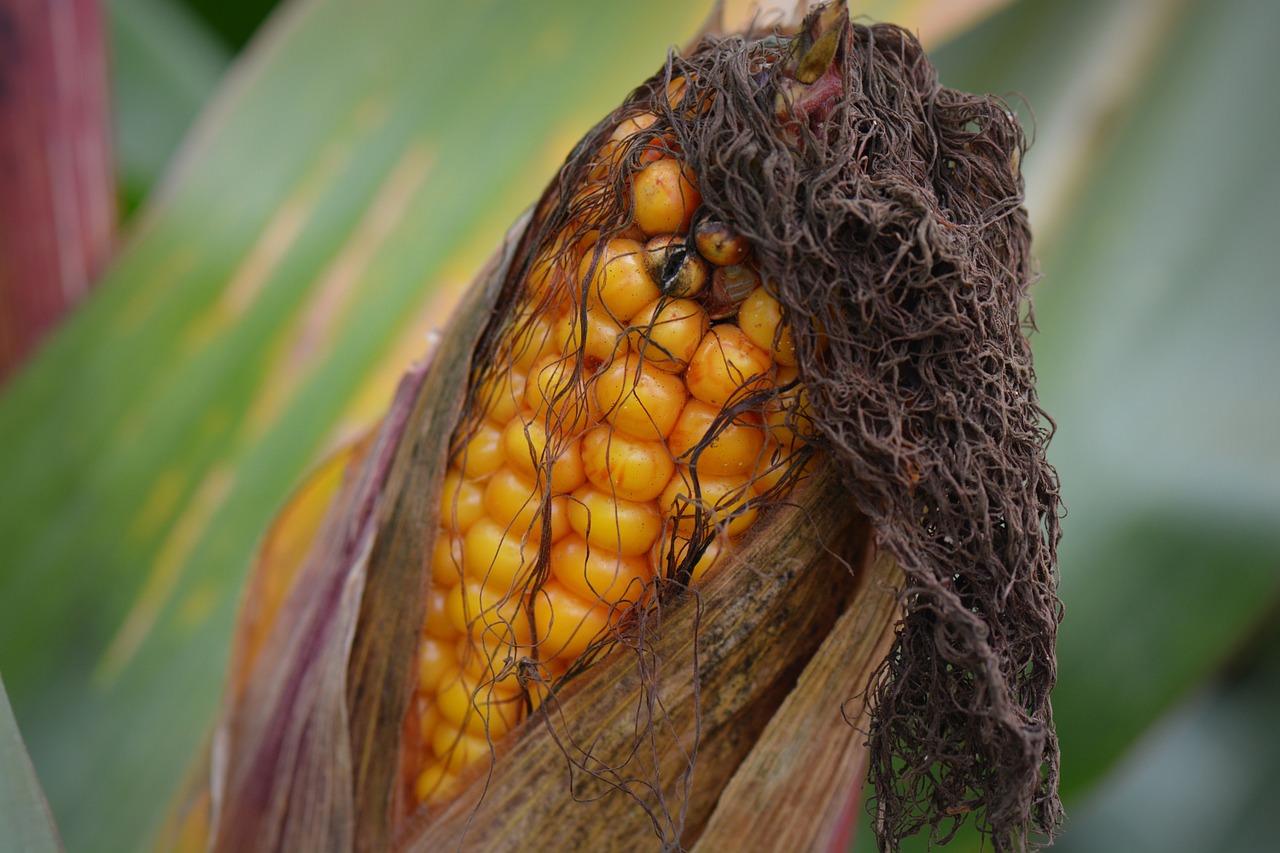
[[459, 750], [678, 270], [428, 716], [675, 91], [788, 415], [490, 660], [471, 705], [435, 661], [617, 281], [446, 559], [501, 395], [776, 462], [524, 444], [481, 455], [494, 554], [613, 524], [436, 784], [437, 622], [666, 332], [760, 318], [727, 366], [665, 197], [631, 125], [641, 403], [567, 624], [624, 466], [731, 285], [735, 448], [482, 611], [719, 244], [548, 274], [555, 393], [603, 338], [713, 501], [461, 502], [514, 502], [594, 573], [673, 549], [530, 342]]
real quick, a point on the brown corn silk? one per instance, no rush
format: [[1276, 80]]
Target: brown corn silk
[[889, 212], [885, 212]]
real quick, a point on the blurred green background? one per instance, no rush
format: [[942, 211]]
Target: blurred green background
[[306, 187]]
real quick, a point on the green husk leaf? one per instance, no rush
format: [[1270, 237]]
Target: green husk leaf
[[25, 821]]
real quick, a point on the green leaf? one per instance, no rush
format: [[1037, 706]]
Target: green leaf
[[1157, 310], [164, 66], [25, 822]]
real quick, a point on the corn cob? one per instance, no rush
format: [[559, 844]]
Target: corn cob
[[617, 434], [638, 383]]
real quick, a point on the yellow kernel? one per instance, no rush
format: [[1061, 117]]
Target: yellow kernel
[[628, 467], [501, 395], [632, 125], [665, 197], [666, 332], [435, 661], [549, 274], [461, 502], [459, 750], [675, 91], [620, 142], [603, 338], [428, 717], [706, 500], [776, 462], [673, 549], [446, 559], [788, 415], [555, 394], [719, 244], [435, 785], [760, 318], [727, 365], [707, 561], [642, 403], [515, 503], [567, 624], [495, 555], [470, 704], [617, 280], [734, 449], [490, 660], [475, 608], [436, 622], [481, 453], [524, 443], [594, 573], [531, 341], [614, 524]]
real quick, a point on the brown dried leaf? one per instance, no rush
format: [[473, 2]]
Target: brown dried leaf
[[799, 787]]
